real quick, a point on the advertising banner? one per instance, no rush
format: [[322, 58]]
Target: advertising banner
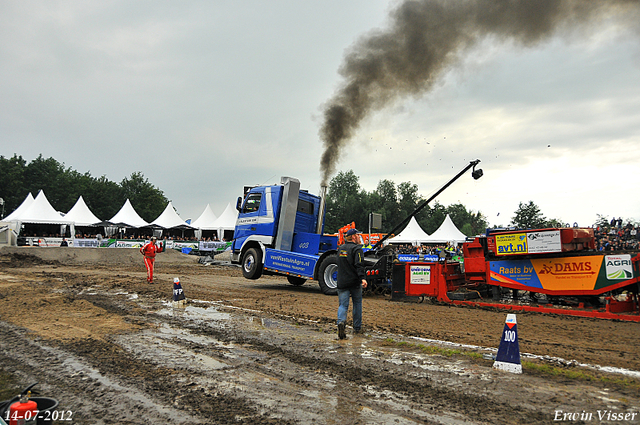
[[122, 243], [515, 243], [539, 242], [179, 245], [565, 274], [214, 246], [290, 262], [420, 275], [48, 241], [412, 258], [529, 243], [85, 243]]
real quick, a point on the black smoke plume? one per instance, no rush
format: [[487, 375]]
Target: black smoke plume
[[427, 37]]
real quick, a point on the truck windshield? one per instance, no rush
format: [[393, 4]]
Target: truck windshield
[[252, 203]]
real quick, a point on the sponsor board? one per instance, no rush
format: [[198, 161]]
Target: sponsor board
[[515, 243], [412, 258], [580, 273], [86, 243], [420, 275], [122, 243], [529, 243], [288, 262], [214, 246], [178, 245], [541, 242], [618, 267]]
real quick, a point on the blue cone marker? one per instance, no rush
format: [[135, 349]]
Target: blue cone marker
[[508, 358], [178, 293]]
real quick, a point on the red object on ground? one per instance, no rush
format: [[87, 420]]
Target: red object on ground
[[21, 412]]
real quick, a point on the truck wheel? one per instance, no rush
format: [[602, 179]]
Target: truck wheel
[[252, 264], [328, 275], [296, 281]]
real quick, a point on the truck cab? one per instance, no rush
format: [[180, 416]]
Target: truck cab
[[276, 233]]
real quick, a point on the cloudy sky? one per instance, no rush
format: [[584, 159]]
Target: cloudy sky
[[205, 97]]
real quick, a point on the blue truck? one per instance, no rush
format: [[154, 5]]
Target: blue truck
[[279, 231]]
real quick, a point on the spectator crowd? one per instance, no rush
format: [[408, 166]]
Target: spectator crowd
[[617, 237]]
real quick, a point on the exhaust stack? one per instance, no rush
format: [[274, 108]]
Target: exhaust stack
[[323, 196]]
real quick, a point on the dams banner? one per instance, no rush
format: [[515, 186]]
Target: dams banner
[[565, 275]]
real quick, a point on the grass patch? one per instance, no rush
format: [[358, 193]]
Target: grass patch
[[580, 374], [429, 349], [534, 368]]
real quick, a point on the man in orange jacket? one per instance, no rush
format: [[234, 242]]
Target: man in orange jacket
[[149, 251]]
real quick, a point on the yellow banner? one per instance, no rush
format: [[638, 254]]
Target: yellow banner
[[515, 243]]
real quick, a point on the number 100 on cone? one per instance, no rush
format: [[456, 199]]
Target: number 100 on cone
[[508, 358]]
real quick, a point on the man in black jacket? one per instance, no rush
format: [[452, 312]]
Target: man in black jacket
[[351, 281]]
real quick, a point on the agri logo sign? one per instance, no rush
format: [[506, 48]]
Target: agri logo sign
[[618, 267]]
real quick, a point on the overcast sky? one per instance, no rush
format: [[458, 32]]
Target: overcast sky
[[204, 97]]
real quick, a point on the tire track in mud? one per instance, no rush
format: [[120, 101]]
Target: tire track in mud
[[76, 385], [388, 391], [101, 384], [256, 365], [281, 373]]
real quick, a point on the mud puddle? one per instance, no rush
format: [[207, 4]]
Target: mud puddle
[[277, 386]]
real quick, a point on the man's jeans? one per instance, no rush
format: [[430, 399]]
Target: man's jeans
[[343, 298]]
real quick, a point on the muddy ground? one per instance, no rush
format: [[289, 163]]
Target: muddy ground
[[113, 349]]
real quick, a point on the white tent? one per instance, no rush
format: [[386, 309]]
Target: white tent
[[412, 234], [80, 214], [447, 232], [226, 221], [170, 219], [128, 216], [28, 200], [206, 219], [41, 212]]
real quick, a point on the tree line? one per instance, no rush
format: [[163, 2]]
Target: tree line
[[347, 202], [63, 185]]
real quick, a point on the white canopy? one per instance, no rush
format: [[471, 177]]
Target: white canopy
[[40, 211], [170, 219], [80, 214], [28, 200], [447, 232], [226, 221], [128, 216], [206, 219], [412, 234]]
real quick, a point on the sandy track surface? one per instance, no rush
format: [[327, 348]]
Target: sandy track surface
[[113, 349]]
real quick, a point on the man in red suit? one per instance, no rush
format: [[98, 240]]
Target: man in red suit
[[149, 251]]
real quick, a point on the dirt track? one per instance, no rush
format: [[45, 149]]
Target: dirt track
[[113, 349]]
